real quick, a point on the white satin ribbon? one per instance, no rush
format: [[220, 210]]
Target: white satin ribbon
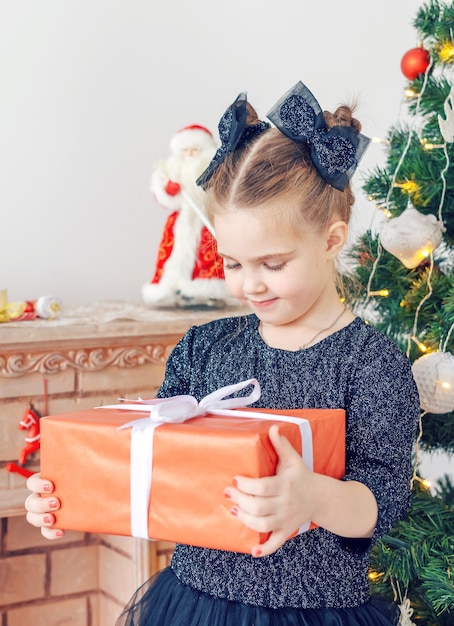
[[178, 409]]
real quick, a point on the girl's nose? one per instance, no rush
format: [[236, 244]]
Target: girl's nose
[[252, 283]]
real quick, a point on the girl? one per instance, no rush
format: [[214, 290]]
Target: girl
[[280, 202]]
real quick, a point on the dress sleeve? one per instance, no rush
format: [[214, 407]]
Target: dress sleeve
[[382, 416]]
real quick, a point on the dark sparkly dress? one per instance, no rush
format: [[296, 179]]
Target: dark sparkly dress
[[316, 578]]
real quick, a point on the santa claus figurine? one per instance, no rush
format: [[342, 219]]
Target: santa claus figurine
[[188, 269]]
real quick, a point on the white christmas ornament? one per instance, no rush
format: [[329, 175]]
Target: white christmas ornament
[[434, 377], [412, 236]]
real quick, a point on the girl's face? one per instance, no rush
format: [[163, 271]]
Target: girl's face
[[282, 277]]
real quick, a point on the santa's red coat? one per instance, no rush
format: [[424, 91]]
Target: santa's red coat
[[208, 264]]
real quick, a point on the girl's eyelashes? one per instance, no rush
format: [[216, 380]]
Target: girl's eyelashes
[[231, 266], [268, 266], [275, 268]]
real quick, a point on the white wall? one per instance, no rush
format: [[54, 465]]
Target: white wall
[[91, 92]]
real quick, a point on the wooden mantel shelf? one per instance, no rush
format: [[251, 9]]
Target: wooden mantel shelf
[[106, 319], [48, 346]]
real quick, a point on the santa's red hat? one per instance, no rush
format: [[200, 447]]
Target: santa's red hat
[[193, 136]]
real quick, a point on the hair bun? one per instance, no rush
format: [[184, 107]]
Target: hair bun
[[342, 116]]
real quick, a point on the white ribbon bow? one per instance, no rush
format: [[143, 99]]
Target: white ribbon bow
[[178, 409]]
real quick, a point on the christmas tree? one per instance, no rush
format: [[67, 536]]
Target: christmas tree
[[403, 283]]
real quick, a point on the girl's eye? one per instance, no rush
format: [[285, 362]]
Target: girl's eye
[[231, 266], [275, 268]]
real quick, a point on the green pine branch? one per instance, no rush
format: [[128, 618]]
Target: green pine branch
[[417, 558], [434, 21], [436, 90]]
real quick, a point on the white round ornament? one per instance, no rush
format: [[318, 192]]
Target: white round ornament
[[412, 236], [434, 377]]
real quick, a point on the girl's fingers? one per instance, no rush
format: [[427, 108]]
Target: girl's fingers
[[40, 505], [36, 484], [52, 533], [45, 522], [259, 523], [266, 487], [288, 457], [40, 519], [273, 543]]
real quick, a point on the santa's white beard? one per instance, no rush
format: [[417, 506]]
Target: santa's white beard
[[186, 170]]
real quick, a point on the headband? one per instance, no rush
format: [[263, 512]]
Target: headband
[[335, 152]]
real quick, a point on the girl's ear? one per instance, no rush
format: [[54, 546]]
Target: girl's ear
[[336, 236]]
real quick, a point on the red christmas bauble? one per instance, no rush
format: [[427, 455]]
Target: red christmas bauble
[[415, 62]]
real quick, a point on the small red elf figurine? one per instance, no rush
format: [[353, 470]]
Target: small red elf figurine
[[188, 270], [30, 423]]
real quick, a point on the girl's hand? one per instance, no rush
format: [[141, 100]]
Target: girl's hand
[[40, 505], [277, 504]]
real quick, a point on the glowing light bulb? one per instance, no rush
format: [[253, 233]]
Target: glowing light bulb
[[446, 52], [420, 345], [427, 145], [384, 293], [410, 187]]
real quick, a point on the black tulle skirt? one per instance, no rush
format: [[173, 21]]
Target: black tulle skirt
[[165, 601]]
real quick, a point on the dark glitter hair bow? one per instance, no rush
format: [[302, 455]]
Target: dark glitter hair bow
[[233, 133], [335, 152]]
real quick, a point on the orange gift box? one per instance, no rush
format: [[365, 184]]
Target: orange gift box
[[88, 458]]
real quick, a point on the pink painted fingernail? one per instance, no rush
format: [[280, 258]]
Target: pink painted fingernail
[[48, 519], [256, 552], [47, 488], [235, 483], [59, 533], [227, 493], [234, 511], [53, 504]]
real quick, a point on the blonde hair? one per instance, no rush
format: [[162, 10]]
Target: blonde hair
[[274, 168]]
